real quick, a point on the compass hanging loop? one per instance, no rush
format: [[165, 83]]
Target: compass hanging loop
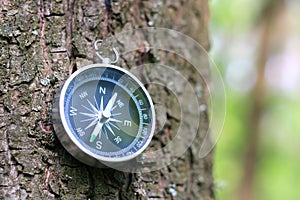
[[106, 60]]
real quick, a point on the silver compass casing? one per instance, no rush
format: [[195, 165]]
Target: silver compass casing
[[73, 145]]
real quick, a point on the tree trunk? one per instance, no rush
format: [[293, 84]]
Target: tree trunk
[[42, 43]]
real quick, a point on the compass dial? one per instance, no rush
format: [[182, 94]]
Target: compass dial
[[107, 113]]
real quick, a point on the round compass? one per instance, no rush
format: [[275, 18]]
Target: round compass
[[106, 115]]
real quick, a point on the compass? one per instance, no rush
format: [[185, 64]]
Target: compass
[[105, 115]]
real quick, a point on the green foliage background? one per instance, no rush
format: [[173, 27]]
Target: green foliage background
[[234, 25]]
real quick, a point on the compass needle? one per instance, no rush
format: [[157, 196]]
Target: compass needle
[[101, 104], [96, 131], [110, 103]]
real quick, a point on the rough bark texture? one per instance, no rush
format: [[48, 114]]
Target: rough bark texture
[[41, 44]]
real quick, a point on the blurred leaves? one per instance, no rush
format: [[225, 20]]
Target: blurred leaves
[[235, 29]]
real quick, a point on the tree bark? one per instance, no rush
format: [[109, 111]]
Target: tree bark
[[42, 43]]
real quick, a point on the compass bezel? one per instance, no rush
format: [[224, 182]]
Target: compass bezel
[[74, 140]]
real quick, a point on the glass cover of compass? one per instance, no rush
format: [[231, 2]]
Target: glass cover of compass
[[107, 113]]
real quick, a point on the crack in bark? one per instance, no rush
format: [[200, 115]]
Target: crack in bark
[[69, 37], [46, 185], [92, 184], [46, 63], [13, 173], [41, 17], [128, 181]]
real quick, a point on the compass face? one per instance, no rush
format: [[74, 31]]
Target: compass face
[[107, 113]]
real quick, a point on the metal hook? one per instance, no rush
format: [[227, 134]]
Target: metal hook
[[106, 60]]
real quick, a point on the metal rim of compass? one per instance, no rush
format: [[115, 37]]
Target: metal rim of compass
[[77, 143]]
